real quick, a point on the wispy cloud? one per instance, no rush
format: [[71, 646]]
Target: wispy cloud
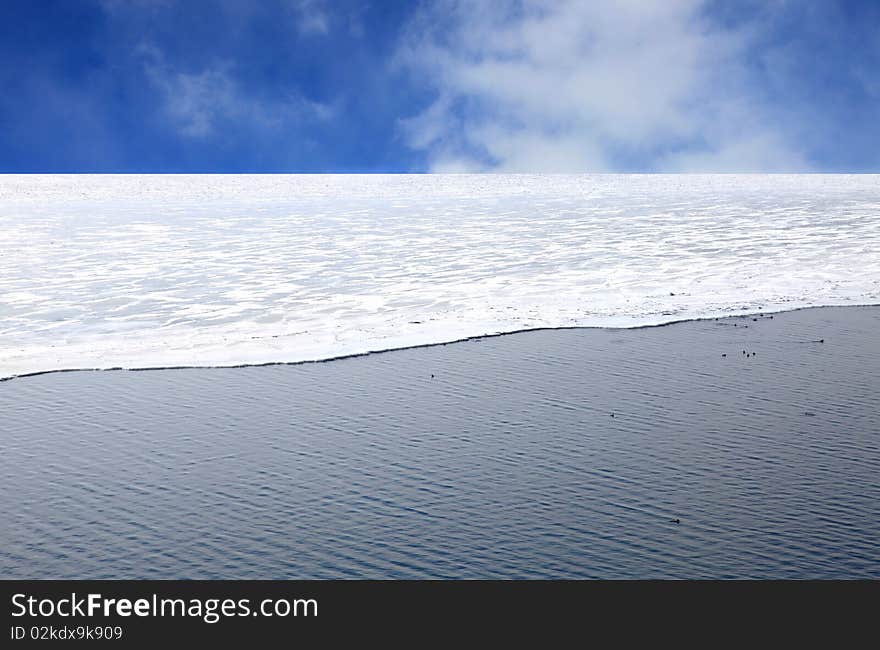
[[196, 102], [574, 86], [312, 16]]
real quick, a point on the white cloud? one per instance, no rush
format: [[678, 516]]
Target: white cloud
[[312, 16], [574, 86], [196, 102]]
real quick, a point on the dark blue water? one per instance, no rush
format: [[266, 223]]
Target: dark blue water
[[505, 463]]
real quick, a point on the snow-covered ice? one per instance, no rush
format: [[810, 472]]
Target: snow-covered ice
[[148, 271]]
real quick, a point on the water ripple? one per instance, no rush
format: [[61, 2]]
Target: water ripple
[[505, 463]]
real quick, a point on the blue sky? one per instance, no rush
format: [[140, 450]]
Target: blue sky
[[360, 86]]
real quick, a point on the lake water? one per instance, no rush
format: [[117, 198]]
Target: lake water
[[490, 458]]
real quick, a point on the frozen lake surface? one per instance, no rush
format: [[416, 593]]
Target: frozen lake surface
[[150, 271]]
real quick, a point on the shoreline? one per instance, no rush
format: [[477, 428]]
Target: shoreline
[[476, 337]]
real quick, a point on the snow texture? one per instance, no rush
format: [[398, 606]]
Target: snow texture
[[157, 271]]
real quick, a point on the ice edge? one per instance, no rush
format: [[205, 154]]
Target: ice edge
[[474, 337]]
